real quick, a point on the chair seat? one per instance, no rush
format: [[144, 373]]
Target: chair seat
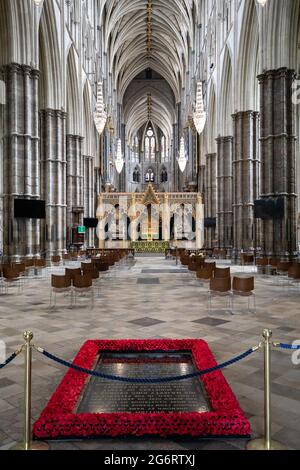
[[62, 289], [220, 294], [242, 294]]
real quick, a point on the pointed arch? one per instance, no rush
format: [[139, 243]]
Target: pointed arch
[[50, 85], [73, 95], [248, 61], [211, 126], [226, 97]]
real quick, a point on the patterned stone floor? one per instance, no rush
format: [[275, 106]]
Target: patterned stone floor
[[153, 298]]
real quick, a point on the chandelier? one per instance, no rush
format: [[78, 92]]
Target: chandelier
[[182, 160], [262, 2], [37, 2], [119, 162], [199, 115], [100, 115]]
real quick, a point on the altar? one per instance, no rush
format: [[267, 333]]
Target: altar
[[150, 246], [150, 221]]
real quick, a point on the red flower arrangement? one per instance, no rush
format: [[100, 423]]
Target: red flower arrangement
[[58, 419]]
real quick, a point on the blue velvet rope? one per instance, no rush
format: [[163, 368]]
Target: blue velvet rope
[[148, 380], [289, 346], [8, 360]]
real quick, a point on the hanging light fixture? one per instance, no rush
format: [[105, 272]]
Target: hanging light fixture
[[100, 115], [119, 161], [37, 2], [199, 115], [182, 160], [262, 2]]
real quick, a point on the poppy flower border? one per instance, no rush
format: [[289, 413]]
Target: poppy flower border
[[60, 421]]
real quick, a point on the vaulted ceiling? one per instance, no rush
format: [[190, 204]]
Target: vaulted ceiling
[[149, 34]]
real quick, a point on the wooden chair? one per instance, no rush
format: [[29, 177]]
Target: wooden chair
[[243, 287], [21, 268], [83, 285], [60, 285], [196, 263], [294, 276], [283, 268], [55, 260], [262, 264], [205, 274], [40, 266], [220, 287], [210, 265], [220, 273], [67, 258], [11, 277], [247, 259], [72, 273]]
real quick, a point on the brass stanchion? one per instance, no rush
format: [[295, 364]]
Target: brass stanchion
[[266, 443], [27, 443]]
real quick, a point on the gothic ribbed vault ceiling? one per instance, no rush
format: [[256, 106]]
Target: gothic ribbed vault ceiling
[[143, 34]]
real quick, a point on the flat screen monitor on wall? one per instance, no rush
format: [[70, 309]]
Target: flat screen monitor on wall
[[29, 209], [90, 222], [210, 222], [269, 209]]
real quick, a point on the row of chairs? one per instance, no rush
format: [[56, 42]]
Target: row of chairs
[[220, 281], [14, 274], [81, 280], [74, 283], [231, 289]]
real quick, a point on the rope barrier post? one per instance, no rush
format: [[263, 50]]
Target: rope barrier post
[[266, 443], [27, 443]]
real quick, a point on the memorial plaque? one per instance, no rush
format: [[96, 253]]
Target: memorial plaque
[[106, 396]]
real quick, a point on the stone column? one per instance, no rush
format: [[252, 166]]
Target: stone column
[[89, 196], [54, 179], [278, 145], [20, 158], [2, 114], [224, 190], [210, 183], [245, 171], [100, 214], [75, 200], [166, 219], [201, 179], [133, 219], [199, 223]]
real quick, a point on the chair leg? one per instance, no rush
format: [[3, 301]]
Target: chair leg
[[92, 295], [254, 302]]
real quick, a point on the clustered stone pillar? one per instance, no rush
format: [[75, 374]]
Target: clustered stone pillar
[[166, 219], [245, 170], [75, 183], [224, 185], [53, 177], [199, 223], [20, 158], [2, 111], [89, 195], [201, 179], [210, 197], [278, 145]]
